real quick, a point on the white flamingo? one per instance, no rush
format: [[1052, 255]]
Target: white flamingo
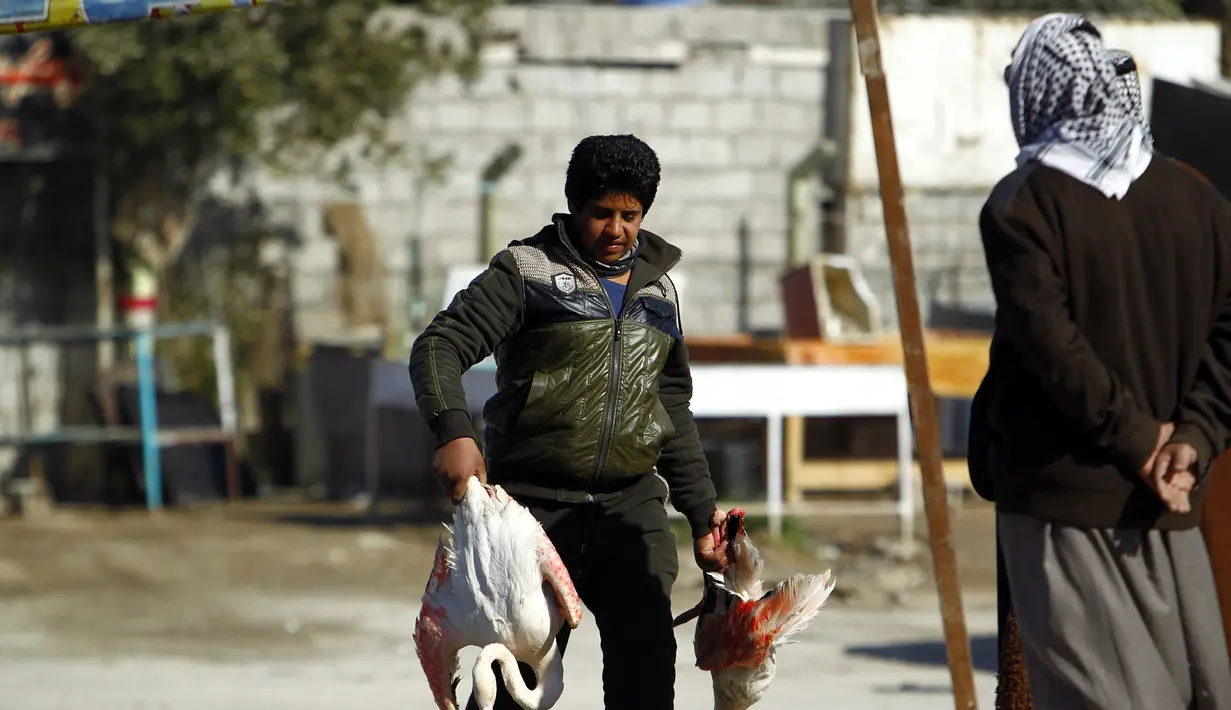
[[498, 583], [740, 627]]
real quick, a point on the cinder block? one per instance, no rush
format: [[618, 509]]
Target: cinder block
[[720, 185], [370, 187], [769, 183], [752, 149], [398, 185], [455, 247], [314, 287], [643, 116], [457, 116], [709, 151], [423, 115], [792, 28], [446, 86], [316, 255], [756, 82], [536, 81], [802, 84], [672, 151], [664, 83], [725, 24], [552, 115], [601, 116], [493, 82], [620, 83], [560, 148], [711, 81], [318, 322], [508, 115], [547, 183], [783, 117], [450, 212], [690, 116], [390, 223], [577, 82], [766, 217], [734, 115]]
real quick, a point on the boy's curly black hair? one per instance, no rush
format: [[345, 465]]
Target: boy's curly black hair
[[605, 163]]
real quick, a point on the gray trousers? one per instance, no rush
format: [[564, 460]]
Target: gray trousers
[[1116, 619]]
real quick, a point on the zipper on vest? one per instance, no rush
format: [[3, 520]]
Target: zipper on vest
[[613, 385]]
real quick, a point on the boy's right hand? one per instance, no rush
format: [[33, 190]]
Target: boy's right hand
[[455, 463]]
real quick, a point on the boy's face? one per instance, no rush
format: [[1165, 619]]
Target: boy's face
[[608, 226]]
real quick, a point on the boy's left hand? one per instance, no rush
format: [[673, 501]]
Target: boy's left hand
[[710, 551]]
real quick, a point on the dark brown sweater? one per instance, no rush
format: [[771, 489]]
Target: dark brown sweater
[[1113, 316]]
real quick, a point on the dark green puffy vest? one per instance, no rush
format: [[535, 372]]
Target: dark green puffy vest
[[577, 403]]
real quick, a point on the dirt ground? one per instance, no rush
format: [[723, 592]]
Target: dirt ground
[[304, 605]]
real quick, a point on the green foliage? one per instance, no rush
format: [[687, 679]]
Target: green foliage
[[1093, 8], [175, 101], [227, 285], [280, 83]]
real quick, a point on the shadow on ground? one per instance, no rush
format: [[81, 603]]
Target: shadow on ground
[[930, 653]]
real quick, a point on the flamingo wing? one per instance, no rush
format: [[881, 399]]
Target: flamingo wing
[[434, 635], [561, 581], [442, 565], [725, 637], [794, 603], [745, 631], [437, 654]]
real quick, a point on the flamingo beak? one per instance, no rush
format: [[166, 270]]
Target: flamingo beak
[[735, 524]]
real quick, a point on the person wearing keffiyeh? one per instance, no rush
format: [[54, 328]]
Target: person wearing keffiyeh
[[1108, 392], [1128, 88]]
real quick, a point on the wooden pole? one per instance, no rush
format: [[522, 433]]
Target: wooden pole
[[922, 402]]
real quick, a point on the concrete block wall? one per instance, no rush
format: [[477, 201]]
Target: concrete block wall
[[729, 98], [948, 253], [955, 139]]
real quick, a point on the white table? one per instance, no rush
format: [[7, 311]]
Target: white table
[[778, 391], [772, 392]]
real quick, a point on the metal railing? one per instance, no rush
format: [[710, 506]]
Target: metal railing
[[147, 433]]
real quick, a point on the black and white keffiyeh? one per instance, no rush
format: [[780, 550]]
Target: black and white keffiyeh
[[1128, 84], [1069, 109]]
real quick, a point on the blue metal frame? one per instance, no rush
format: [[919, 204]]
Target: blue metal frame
[[146, 380], [151, 456]]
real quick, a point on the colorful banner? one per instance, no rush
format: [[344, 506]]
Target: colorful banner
[[18, 16]]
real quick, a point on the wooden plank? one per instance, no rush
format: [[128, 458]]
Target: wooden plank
[[956, 362], [910, 325], [863, 475]]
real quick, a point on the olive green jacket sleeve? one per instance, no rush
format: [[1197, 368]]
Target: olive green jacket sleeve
[[482, 316], [682, 462]]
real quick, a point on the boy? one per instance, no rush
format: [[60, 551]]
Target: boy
[[593, 392]]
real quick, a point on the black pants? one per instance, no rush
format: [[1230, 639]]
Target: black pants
[[622, 557]]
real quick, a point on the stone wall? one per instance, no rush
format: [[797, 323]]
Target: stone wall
[[955, 139], [730, 98], [948, 256]]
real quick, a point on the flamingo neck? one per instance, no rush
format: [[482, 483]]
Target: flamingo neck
[[549, 671]]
